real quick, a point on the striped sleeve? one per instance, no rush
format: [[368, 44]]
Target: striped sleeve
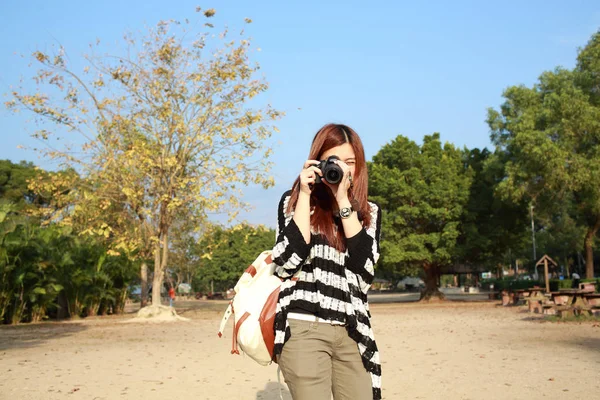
[[363, 250], [290, 249]]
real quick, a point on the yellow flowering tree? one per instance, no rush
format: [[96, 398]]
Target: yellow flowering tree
[[171, 126]]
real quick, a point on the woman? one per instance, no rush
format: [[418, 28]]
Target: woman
[[327, 246]]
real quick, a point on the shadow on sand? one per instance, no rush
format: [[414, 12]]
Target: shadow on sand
[[271, 392], [32, 335]]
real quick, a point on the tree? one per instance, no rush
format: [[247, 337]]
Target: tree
[[48, 269], [562, 235], [184, 257], [164, 128], [42, 265], [551, 136], [491, 226], [423, 192], [224, 254], [14, 184]]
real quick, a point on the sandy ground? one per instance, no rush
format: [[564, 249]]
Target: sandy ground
[[458, 350]]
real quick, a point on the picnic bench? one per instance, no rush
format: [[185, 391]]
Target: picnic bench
[[536, 299], [536, 290], [593, 300], [511, 296], [519, 295], [570, 301]]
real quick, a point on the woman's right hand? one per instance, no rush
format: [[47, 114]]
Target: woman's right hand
[[308, 176]]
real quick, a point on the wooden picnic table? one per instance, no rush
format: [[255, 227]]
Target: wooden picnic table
[[536, 299], [519, 294], [536, 291], [571, 300], [593, 299]]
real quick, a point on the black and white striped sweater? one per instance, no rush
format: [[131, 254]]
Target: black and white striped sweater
[[331, 285]]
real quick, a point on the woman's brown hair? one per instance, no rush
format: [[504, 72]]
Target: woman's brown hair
[[324, 219]]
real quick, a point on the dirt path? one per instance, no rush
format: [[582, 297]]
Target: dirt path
[[449, 351]]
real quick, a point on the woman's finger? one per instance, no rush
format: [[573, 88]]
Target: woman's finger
[[308, 163], [316, 170], [343, 166], [308, 174]]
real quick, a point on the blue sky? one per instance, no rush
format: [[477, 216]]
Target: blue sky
[[386, 68]]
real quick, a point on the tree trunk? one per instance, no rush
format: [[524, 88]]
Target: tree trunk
[[178, 279], [38, 313], [92, 310], [119, 307], [63, 306], [160, 264], [74, 306], [589, 257], [157, 281], [589, 249], [431, 292], [144, 289]]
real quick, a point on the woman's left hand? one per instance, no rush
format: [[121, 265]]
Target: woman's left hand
[[340, 190]]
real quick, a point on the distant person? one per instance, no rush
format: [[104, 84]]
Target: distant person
[[576, 279], [171, 296], [327, 245]]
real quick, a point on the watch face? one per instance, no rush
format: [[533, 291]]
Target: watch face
[[345, 212]]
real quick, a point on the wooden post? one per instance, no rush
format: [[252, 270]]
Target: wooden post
[[546, 275], [545, 260]]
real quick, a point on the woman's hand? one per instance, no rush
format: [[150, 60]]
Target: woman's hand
[[340, 191], [308, 176]]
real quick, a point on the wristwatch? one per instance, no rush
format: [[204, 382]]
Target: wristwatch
[[346, 212]]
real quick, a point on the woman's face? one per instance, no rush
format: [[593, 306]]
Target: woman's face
[[345, 153]]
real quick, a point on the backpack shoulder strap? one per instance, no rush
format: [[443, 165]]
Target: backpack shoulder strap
[[226, 316]]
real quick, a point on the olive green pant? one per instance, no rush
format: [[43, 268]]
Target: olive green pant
[[320, 358]]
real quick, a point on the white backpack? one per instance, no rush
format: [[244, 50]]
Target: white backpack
[[253, 307]]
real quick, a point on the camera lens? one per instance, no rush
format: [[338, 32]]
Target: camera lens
[[333, 176]]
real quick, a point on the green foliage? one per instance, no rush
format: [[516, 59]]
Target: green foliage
[[509, 283], [557, 284], [14, 182], [226, 253], [491, 228], [423, 191], [550, 137], [41, 265]]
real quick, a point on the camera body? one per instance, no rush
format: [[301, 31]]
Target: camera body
[[332, 173]]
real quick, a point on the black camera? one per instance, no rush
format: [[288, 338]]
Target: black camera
[[332, 172]]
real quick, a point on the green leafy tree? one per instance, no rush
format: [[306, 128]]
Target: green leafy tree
[[423, 192], [225, 254], [45, 268], [14, 186], [491, 227], [562, 236], [550, 134]]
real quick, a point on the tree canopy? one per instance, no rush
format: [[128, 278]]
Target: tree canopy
[[423, 191], [550, 136], [173, 127]]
